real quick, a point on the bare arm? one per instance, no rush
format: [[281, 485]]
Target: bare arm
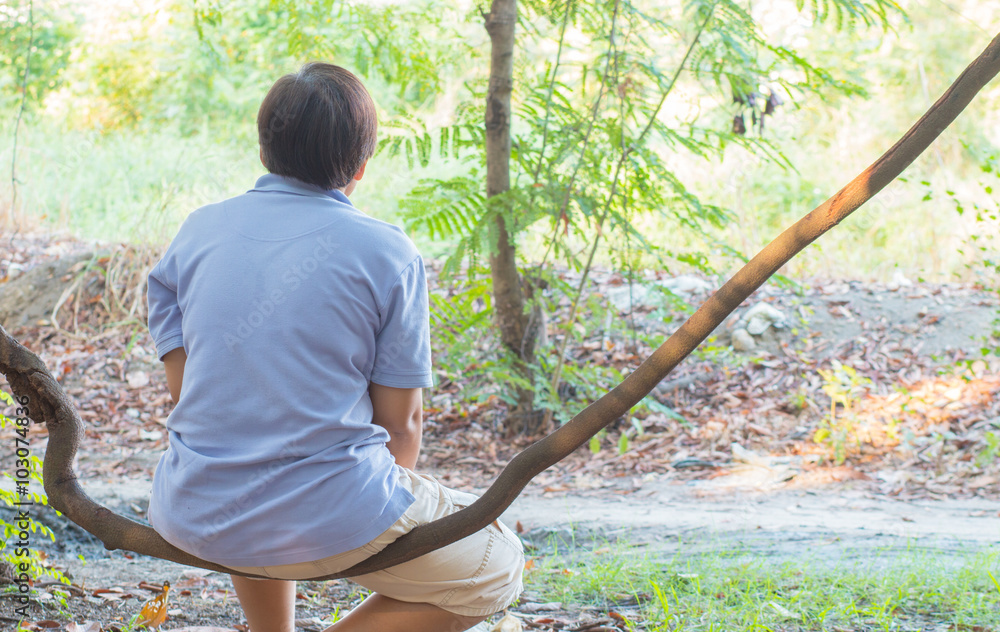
[[400, 411], [173, 362]]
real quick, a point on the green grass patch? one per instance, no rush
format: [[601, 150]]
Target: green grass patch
[[138, 186], [730, 590]]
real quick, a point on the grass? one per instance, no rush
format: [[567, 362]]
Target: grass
[[121, 186], [734, 590], [137, 186]]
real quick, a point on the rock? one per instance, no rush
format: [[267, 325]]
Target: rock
[[687, 284], [761, 316], [899, 280], [509, 623], [742, 455], [742, 340], [152, 435], [642, 295], [137, 379], [623, 299]]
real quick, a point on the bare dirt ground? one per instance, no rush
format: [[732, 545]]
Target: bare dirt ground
[[730, 457]]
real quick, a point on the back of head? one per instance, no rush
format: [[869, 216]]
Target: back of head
[[317, 125]]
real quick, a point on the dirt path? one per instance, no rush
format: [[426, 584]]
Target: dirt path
[[666, 518], [837, 524]]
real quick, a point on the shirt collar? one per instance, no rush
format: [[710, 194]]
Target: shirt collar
[[283, 184]]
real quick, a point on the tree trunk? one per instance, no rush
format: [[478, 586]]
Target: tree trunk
[[508, 294], [41, 398]]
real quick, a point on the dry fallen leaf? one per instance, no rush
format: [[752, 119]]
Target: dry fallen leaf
[[154, 611], [87, 626]]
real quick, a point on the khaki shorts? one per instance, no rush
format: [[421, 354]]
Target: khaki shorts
[[476, 576]]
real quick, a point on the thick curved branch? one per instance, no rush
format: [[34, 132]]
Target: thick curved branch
[[48, 403]]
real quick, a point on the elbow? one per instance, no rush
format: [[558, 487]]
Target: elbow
[[414, 424]]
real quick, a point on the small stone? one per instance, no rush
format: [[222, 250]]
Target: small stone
[[761, 316], [151, 435], [137, 379], [742, 340], [687, 284], [626, 298], [742, 455], [757, 325], [899, 280]]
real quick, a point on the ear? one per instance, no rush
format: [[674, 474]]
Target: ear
[[361, 172]]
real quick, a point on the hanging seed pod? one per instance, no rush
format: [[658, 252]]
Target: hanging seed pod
[[739, 127]]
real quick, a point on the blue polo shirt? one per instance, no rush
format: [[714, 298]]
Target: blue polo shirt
[[289, 302]]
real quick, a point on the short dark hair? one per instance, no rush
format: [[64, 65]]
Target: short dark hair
[[317, 125]]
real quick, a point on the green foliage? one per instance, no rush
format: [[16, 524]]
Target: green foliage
[[193, 63], [51, 40], [252, 42], [844, 387], [990, 453], [591, 147], [452, 210], [36, 567], [984, 239], [111, 187], [460, 322], [465, 350], [850, 13], [829, 141]]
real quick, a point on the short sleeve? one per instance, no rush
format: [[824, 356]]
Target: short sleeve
[[403, 344], [164, 312]]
